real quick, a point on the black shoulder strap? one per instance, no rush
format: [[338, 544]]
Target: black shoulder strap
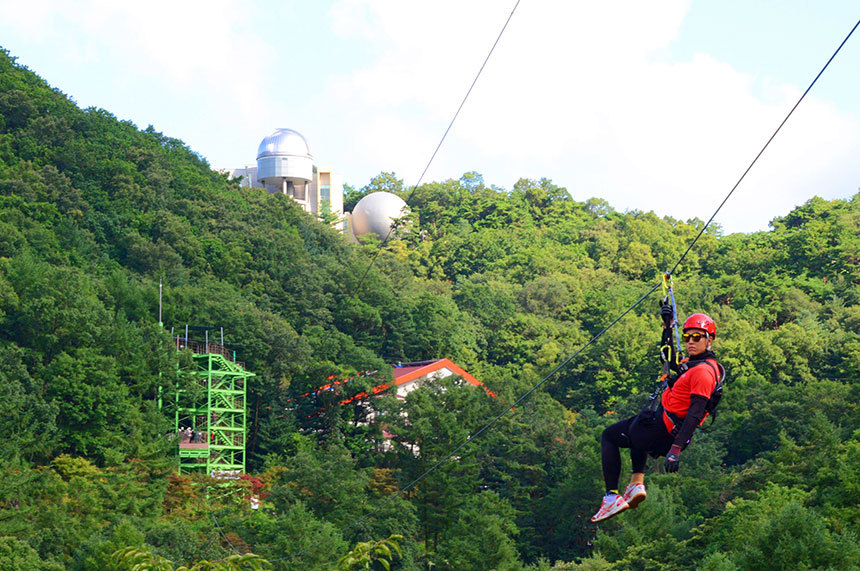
[[719, 374]]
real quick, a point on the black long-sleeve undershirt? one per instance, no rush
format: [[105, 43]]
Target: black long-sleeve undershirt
[[694, 416]]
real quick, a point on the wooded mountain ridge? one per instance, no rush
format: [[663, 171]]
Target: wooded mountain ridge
[[95, 212]]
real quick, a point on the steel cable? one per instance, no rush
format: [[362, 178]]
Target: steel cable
[[442, 140], [564, 363]]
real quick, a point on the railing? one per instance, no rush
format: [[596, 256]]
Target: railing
[[202, 348], [207, 439]]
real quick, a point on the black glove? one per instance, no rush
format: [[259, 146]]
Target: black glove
[[667, 314], [673, 459]]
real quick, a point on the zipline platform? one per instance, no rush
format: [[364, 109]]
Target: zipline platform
[[209, 408]]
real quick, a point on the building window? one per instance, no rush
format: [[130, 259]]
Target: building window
[[325, 192]]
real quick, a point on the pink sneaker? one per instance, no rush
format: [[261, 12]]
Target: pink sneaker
[[635, 495], [611, 506]]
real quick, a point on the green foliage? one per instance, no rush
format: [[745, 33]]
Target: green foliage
[[134, 559], [481, 536], [325, 479], [17, 555], [95, 213], [292, 540], [778, 530], [369, 554]]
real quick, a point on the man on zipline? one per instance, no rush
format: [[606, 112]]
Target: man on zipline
[[668, 430]]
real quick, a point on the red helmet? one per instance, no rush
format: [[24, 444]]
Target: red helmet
[[701, 321]]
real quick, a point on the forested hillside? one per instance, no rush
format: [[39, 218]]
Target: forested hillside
[[506, 282]]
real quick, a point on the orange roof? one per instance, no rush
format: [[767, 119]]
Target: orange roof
[[405, 373], [411, 371]]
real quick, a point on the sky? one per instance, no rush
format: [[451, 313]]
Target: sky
[[648, 105]]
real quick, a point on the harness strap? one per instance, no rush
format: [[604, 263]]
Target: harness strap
[[676, 420]]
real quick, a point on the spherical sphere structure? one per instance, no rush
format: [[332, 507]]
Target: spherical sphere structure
[[284, 155], [375, 212]]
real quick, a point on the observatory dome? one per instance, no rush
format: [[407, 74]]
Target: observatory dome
[[375, 213], [284, 142], [284, 161]]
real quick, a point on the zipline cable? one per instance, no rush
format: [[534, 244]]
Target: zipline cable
[[761, 152], [218, 525], [388, 235], [481, 430], [442, 140], [604, 330], [505, 411]]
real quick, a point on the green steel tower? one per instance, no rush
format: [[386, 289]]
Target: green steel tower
[[210, 416]]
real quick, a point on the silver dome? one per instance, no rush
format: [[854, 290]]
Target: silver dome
[[375, 213], [284, 142]]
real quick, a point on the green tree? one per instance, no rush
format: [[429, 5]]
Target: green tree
[[777, 530], [481, 536], [17, 555], [369, 554], [133, 558]]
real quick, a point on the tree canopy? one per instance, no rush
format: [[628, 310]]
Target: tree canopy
[[508, 283]]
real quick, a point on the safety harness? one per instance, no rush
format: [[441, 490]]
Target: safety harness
[[713, 400], [670, 351]]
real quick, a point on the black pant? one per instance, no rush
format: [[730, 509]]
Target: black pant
[[643, 434]]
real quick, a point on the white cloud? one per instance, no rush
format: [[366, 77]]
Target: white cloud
[[583, 94], [172, 51], [594, 95]]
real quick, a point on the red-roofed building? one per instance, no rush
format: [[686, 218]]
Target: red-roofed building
[[409, 376]]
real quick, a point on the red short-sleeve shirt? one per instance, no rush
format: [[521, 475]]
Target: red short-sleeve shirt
[[698, 380]]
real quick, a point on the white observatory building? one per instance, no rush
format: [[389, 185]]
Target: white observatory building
[[285, 166], [375, 214]]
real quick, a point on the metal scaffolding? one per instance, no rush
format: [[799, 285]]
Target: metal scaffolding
[[210, 417]]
